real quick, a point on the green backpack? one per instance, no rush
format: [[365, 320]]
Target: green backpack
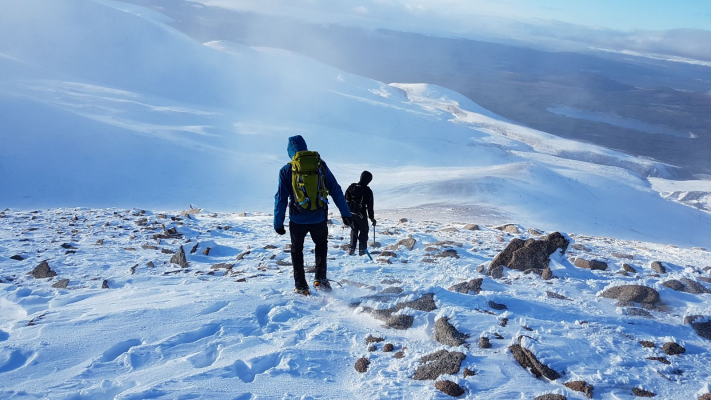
[[308, 181]]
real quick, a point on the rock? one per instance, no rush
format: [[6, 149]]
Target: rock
[[207, 251], [504, 321], [373, 339], [531, 254], [529, 361], [133, 269], [642, 393], [388, 347], [554, 295], [647, 344], [547, 274], [633, 293], [706, 396], [534, 232], [497, 306], [100, 242], [17, 257], [594, 265], [149, 247], [400, 322], [409, 243], [42, 271], [624, 256], [579, 247], [702, 329], [361, 365], [450, 388], [672, 348], [439, 363], [387, 253], [150, 264], [167, 251], [551, 396], [471, 227], [447, 253], [270, 247], [403, 220], [496, 272], [658, 267], [481, 268], [660, 359], [693, 287], [372, 348], [580, 386], [638, 312], [447, 334], [473, 286], [68, 246], [468, 372], [510, 228], [628, 268], [105, 284], [484, 342], [179, 258], [450, 230], [392, 290], [400, 354], [61, 284]]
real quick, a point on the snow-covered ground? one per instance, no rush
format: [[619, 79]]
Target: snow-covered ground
[[166, 332], [104, 105]]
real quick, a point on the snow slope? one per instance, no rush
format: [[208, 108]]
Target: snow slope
[[163, 332], [103, 105]]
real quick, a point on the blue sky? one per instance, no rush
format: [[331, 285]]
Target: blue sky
[[677, 29]]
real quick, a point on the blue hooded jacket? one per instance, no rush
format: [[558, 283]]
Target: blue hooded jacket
[[285, 194]]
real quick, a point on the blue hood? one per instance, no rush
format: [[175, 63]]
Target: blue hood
[[296, 144]]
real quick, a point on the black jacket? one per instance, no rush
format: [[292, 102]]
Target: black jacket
[[365, 206]]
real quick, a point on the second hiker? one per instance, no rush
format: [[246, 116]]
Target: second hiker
[[360, 201]]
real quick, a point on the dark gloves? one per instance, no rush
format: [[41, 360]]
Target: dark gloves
[[373, 221], [280, 230], [347, 221]]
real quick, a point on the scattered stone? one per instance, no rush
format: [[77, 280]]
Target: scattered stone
[[579, 247], [473, 286], [388, 347], [133, 269], [68, 246], [195, 248], [510, 228], [447, 334], [179, 258], [484, 342], [403, 220], [647, 344], [638, 312], [642, 393], [447, 253], [17, 257], [42, 271], [594, 265], [693, 287], [150, 264], [387, 253], [373, 339], [551, 396], [534, 232], [439, 363], [702, 329], [471, 227], [409, 243], [245, 253], [529, 361], [658, 267], [706, 396], [624, 256], [372, 348], [580, 386], [633, 293], [392, 290], [361, 365], [450, 388], [662, 360], [450, 230], [207, 251], [400, 322], [497, 336], [149, 247], [468, 372], [400, 354], [672, 348], [554, 295], [481, 268], [61, 284], [628, 268], [496, 272], [497, 306], [105, 284], [504, 321], [547, 274], [166, 251], [530, 254]]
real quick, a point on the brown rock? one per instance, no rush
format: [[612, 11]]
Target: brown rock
[[624, 256], [400, 354], [531, 254], [642, 393], [388, 347], [706, 396], [468, 372], [672, 348], [61, 284], [647, 344], [657, 266], [497, 306], [484, 342], [105, 284], [447, 334], [594, 265], [551, 396], [529, 361], [471, 227], [510, 228], [17, 257], [361, 365], [473, 286], [409, 243], [633, 293], [42, 271], [439, 363], [547, 274], [660, 359], [179, 258], [450, 388], [628, 268], [580, 386]]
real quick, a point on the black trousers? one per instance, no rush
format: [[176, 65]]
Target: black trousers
[[359, 232], [319, 234]]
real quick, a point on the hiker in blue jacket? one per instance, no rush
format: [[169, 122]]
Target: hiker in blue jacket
[[303, 221]]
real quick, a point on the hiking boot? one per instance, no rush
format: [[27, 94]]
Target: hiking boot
[[351, 252], [304, 292], [322, 285], [361, 252]]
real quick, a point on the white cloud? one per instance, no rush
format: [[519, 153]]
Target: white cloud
[[361, 10]]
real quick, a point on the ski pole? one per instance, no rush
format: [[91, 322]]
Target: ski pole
[[373, 235]]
